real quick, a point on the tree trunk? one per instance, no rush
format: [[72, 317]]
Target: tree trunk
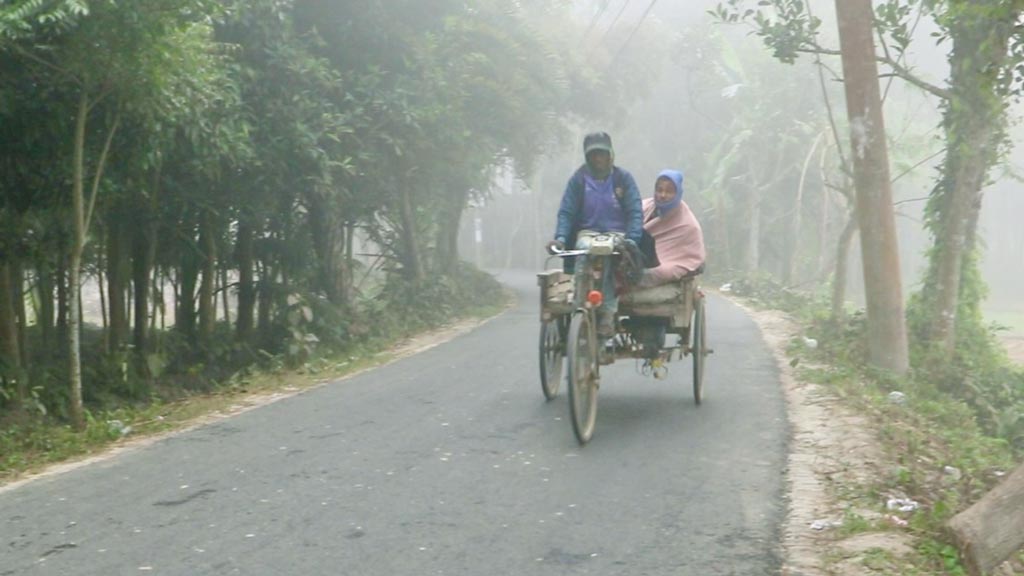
[[224, 296], [208, 259], [754, 231], [18, 298], [448, 233], [350, 263], [188, 276], [246, 287], [974, 121], [266, 294], [62, 298], [76, 409], [141, 274], [887, 336], [795, 231], [842, 268], [143, 258], [823, 231], [45, 319], [327, 239], [118, 326], [412, 263], [80, 216], [992, 529], [722, 230], [10, 353]]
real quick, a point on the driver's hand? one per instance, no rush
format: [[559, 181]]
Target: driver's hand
[[555, 246]]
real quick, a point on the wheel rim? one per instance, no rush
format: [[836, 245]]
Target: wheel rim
[[552, 352], [582, 376]]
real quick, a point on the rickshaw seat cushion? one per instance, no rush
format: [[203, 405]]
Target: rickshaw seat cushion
[[663, 294]]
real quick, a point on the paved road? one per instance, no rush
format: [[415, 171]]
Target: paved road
[[448, 462]]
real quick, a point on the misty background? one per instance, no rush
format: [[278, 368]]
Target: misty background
[[708, 89]]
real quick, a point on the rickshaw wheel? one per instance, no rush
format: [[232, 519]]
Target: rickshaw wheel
[[583, 374], [552, 353], [698, 349]]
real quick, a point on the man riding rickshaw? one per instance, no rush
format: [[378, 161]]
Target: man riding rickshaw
[[657, 248]]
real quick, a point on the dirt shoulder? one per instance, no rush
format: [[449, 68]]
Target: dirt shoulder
[[832, 451]]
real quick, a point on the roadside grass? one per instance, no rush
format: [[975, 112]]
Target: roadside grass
[[30, 441], [947, 435]]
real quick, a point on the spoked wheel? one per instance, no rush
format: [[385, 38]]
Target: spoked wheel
[[552, 353], [698, 348], [583, 375]]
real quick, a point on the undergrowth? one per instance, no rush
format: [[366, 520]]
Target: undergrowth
[[950, 429]]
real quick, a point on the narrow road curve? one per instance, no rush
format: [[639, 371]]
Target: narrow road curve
[[448, 462]]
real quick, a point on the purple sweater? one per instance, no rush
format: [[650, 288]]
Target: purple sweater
[[602, 211]]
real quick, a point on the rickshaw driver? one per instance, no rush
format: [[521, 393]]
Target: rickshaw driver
[[600, 198]]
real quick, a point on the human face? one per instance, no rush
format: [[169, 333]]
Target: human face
[[664, 190], [600, 161]]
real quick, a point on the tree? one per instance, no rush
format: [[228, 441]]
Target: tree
[[887, 336], [984, 75], [985, 60], [113, 62]]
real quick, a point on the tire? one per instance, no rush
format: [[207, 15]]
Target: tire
[[583, 375], [698, 349], [552, 355]]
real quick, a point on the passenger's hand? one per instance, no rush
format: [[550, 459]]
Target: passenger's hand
[[555, 246]]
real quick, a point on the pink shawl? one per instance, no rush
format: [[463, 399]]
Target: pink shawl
[[678, 240]]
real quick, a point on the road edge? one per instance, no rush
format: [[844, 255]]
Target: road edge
[[405, 348]]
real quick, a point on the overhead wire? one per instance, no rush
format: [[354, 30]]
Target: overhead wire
[[615, 20], [596, 18], [635, 28]]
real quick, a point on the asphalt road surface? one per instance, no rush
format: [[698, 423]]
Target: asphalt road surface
[[447, 462]]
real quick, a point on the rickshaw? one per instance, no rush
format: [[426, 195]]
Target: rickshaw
[[568, 305]]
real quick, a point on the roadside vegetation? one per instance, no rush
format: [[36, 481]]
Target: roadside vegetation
[[949, 430], [196, 192]]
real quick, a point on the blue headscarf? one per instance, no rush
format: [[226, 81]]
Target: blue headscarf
[[676, 177]]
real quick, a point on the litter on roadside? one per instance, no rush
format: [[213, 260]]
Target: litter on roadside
[[902, 504], [897, 397], [819, 525]]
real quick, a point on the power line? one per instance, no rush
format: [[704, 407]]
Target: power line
[[635, 28], [614, 21], [597, 17]]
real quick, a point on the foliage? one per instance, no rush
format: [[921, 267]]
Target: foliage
[[938, 423], [248, 171]]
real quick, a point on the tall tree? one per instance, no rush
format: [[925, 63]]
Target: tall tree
[[983, 75], [116, 61], [887, 334]]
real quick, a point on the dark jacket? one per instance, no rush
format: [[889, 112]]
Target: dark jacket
[[572, 206]]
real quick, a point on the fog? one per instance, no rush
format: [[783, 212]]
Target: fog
[[704, 82]]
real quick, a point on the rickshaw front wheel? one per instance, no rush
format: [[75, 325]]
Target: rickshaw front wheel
[[583, 375]]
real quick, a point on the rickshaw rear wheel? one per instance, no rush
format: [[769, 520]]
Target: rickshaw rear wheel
[[552, 354], [583, 375], [698, 349]]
